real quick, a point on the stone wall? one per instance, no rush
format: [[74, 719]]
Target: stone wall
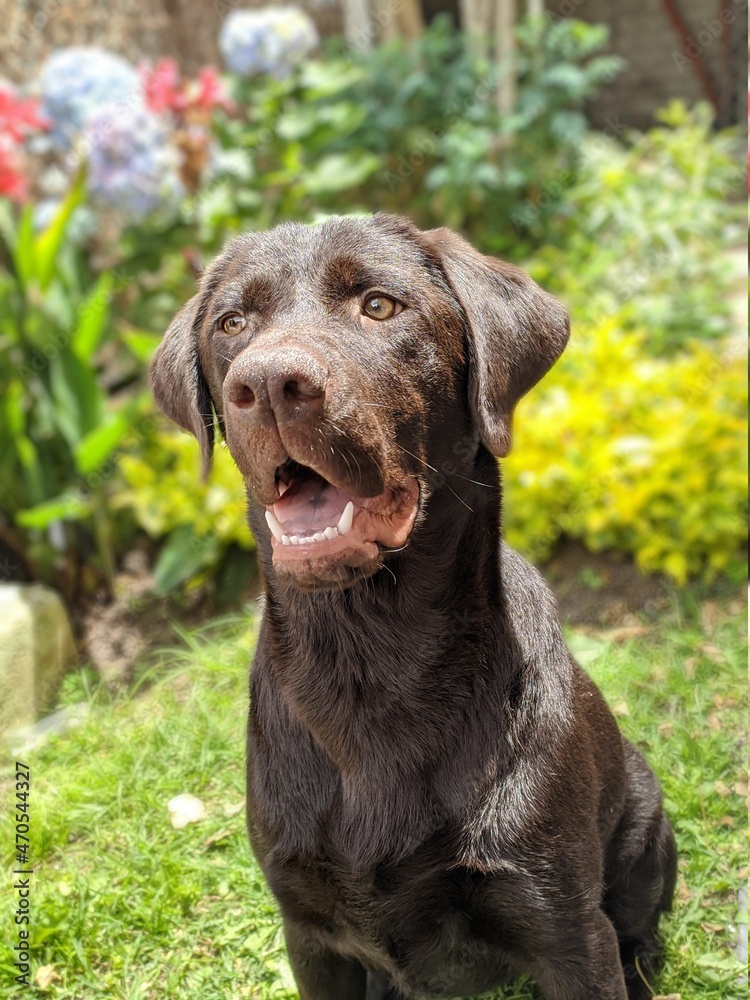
[[657, 67], [136, 29]]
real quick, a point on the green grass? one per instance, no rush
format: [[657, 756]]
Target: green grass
[[125, 906]]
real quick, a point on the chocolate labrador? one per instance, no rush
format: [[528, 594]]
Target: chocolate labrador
[[438, 795]]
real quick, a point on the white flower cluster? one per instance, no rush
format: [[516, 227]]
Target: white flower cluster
[[271, 41]]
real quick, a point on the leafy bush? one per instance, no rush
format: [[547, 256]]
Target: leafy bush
[[629, 452], [202, 524], [60, 423], [638, 233], [412, 127]]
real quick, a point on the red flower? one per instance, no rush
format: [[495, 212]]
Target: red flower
[[166, 91], [18, 117], [211, 93], [162, 86], [13, 181]]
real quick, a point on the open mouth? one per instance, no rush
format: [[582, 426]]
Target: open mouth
[[314, 520]]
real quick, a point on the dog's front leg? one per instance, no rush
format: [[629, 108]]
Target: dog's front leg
[[320, 973], [587, 965]]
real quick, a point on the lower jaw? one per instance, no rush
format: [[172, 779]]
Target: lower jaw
[[311, 571]]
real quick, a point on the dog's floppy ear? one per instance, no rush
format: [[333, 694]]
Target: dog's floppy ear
[[178, 383], [517, 332]]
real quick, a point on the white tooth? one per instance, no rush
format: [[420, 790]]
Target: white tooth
[[331, 532], [285, 540], [345, 521], [294, 539], [282, 488], [274, 525], [319, 536]]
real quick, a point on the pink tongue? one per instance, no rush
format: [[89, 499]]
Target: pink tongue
[[311, 506]]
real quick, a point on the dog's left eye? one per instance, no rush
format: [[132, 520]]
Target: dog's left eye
[[232, 324], [381, 307]]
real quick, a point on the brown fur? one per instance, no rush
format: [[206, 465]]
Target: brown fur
[[437, 794]]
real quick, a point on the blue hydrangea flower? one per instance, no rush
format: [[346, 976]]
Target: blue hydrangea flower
[[76, 82], [133, 167], [271, 41]]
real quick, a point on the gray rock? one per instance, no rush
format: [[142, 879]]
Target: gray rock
[[36, 648]]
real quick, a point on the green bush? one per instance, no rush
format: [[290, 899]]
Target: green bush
[[411, 128], [60, 423], [629, 452], [202, 525], [638, 234]]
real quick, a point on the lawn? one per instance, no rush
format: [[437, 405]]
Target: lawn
[[124, 905]]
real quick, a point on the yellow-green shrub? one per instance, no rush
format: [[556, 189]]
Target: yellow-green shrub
[[201, 521], [623, 450]]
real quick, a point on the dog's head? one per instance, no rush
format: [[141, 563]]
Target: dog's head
[[344, 360]]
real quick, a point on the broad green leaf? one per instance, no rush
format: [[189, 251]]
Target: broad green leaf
[[324, 79], [97, 446], [339, 172], [47, 244], [92, 319], [141, 343], [67, 507], [29, 459], [23, 251], [183, 554], [78, 398]]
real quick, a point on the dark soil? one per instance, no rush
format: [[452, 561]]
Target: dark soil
[[605, 590], [598, 592]]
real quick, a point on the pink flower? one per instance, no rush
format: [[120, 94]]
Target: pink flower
[[165, 90], [211, 92], [13, 180], [19, 117]]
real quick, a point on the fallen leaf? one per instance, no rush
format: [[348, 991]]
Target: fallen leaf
[[232, 810], [668, 996], [726, 821], [712, 653], [216, 837], [44, 976], [714, 722], [711, 615], [621, 708], [741, 788], [712, 928], [185, 809], [721, 788], [665, 729], [742, 873], [689, 666], [683, 892], [624, 632]]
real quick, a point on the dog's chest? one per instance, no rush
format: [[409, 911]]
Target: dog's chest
[[424, 927]]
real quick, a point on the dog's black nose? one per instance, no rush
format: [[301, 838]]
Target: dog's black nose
[[282, 386]]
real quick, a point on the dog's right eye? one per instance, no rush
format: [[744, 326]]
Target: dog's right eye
[[232, 324], [381, 307]]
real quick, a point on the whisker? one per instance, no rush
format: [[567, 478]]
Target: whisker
[[427, 464]]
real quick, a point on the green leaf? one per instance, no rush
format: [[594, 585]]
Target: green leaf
[[67, 507], [47, 244], [23, 250], [183, 555], [99, 444], [78, 398], [92, 318], [141, 343], [324, 79], [340, 171]]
